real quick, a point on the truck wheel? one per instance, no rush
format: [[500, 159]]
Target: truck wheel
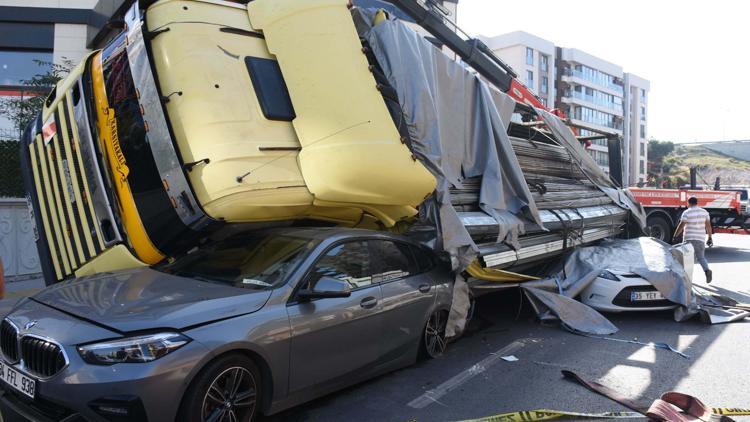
[[659, 228]]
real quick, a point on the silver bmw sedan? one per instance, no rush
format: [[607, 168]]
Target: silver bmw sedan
[[255, 323]]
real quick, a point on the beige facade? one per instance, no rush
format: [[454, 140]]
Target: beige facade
[[532, 58], [591, 91], [636, 122]]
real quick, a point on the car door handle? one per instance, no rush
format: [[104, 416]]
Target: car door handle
[[425, 288], [368, 302]]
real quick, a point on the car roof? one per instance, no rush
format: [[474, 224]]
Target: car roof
[[322, 234], [338, 233]]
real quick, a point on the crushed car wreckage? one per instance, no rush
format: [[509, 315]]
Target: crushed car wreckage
[[329, 114]]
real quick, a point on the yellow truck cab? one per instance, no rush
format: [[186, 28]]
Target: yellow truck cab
[[202, 113]]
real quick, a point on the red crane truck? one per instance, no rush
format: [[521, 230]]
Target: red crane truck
[[665, 206]]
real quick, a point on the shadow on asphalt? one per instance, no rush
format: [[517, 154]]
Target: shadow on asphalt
[[721, 254]]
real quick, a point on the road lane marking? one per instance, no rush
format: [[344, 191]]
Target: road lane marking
[[433, 395]]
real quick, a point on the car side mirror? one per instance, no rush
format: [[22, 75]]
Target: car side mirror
[[326, 287]]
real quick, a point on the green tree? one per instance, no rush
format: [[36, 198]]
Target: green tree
[[658, 162], [21, 111]]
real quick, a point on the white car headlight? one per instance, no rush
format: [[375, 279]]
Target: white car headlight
[[132, 349], [608, 276]]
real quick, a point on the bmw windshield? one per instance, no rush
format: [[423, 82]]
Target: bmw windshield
[[249, 261]]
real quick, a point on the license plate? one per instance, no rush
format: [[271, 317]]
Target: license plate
[[17, 380], [641, 296]]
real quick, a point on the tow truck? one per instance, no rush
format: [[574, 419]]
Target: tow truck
[[664, 208]]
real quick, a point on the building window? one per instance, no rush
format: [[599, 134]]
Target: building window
[[643, 95], [543, 62], [641, 166], [596, 76], [643, 113], [643, 149], [544, 85], [21, 65], [530, 79], [596, 117], [17, 66], [601, 157], [643, 131], [529, 56]]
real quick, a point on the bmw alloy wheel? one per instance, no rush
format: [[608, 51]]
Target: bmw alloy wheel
[[231, 397], [434, 334]]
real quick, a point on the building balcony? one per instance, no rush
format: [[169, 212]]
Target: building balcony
[[613, 127], [610, 88], [591, 101]]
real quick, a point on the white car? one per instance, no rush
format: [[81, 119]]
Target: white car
[[616, 291]]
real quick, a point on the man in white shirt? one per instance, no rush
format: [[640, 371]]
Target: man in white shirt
[[696, 223]]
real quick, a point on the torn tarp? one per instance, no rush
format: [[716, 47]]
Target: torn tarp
[[574, 314], [456, 128], [656, 262], [457, 131]]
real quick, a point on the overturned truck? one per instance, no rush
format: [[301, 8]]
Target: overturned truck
[[206, 117]]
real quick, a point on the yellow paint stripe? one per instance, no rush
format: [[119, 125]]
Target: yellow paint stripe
[[43, 210], [85, 181], [73, 171], [57, 232], [66, 230], [72, 223], [110, 143]]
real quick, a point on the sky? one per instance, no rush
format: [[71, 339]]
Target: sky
[[696, 54]]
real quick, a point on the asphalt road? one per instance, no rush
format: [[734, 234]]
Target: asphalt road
[[470, 381]]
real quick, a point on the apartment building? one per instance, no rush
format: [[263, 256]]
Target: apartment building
[[590, 90], [636, 127], [532, 58]]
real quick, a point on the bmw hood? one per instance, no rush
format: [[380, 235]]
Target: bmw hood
[[143, 299]]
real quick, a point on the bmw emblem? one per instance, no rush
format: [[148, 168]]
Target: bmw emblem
[[29, 325]]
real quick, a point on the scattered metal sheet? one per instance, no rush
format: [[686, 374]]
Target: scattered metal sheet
[[653, 345]]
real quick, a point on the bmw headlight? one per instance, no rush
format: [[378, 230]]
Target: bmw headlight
[[138, 349]]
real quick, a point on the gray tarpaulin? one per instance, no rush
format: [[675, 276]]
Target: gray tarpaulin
[[457, 132], [457, 126], [656, 262], [572, 313], [644, 256], [649, 258]]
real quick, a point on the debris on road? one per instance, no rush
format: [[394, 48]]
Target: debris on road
[[653, 345], [547, 414], [671, 407], [509, 358], [662, 266]]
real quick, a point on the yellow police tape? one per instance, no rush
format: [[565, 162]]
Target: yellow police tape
[[547, 415]]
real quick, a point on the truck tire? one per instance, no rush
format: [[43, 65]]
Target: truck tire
[[659, 228]]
